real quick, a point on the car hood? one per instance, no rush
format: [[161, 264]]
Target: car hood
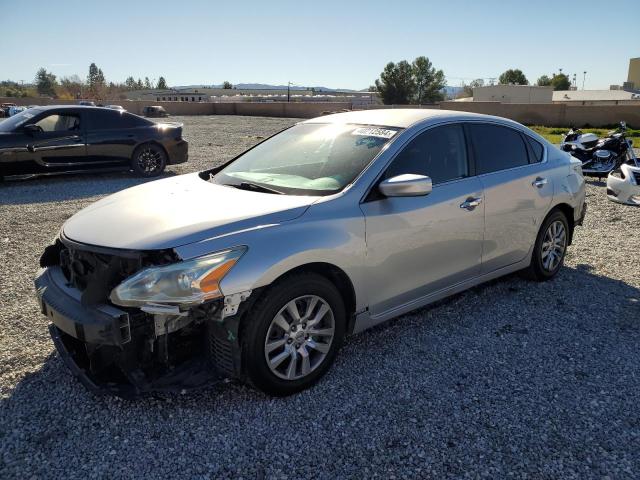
[[177, 211]]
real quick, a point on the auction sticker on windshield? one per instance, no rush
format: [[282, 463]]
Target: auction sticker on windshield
[[374, 132]]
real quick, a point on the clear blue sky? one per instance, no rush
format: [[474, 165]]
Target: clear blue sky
[[317, 43]]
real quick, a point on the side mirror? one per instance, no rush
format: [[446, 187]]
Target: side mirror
[[407, 185], [31, 129]]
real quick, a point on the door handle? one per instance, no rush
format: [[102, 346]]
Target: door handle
[[471, 203], [31, 148], [539, 182]]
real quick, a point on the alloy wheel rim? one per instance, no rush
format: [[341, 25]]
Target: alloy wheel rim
[[149, 160], [299, 337], [554, 245]]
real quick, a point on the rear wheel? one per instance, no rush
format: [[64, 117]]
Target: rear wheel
[[149, 160], [292, 334], [550, 248]]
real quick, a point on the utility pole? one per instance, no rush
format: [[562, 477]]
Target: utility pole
[[584, 77], [288, 91]]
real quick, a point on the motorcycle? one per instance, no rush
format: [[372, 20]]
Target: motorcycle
[[599, 156]]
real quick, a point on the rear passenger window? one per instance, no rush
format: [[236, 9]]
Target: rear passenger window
[[131, 121], [497, 148], [104, 120], [439, 153], [112, 120], [536, 150]]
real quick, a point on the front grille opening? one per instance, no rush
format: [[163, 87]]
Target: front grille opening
[[95, 271]]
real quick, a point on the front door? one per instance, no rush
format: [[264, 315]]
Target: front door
[[59, 143], [417, 246]]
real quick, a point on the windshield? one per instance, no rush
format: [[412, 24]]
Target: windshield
[[307, 159], [11, 123]]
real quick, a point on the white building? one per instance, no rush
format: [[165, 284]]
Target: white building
[[513, 94]]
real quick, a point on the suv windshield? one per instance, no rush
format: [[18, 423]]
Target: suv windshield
[[307, 159], [19, 119]]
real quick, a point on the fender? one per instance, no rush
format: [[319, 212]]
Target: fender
[[324, 234]]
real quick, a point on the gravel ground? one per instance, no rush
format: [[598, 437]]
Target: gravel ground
[[509, 380]]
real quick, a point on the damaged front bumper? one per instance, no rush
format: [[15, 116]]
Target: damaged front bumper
[[128, 352]]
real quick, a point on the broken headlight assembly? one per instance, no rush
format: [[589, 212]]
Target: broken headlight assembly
[[187, 283]]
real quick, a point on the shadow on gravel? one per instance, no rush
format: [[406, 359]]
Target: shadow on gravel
[[596, 182], [63, 188]]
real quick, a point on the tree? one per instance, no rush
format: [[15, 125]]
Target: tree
[[147, 83], [45, 82], [428, 81], [543, 81], [71, 86], [513, 77], [227, 85], [162, 84], [130, 83], [139, 85], [468, 89], [560, 82], [95, 82], [396, 84]]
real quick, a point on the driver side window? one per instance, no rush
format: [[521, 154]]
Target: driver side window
[[439, 153], [59, 123]]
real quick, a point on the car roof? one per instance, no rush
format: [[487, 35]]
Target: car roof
[[44, 108], [401, 117]]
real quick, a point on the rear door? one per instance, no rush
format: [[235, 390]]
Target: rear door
[[59, 145], [111, 137], [517, 191]]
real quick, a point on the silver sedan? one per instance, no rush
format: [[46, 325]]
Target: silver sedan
[[259, 268]]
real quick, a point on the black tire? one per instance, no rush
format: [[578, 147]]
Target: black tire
[[537, 269], [258, 322], [149, 160]]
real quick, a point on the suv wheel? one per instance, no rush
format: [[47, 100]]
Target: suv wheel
[[149, 160], [292, 334], [550, 248]]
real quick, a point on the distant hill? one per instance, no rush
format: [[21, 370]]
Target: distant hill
[[265, 86], [451, 92]]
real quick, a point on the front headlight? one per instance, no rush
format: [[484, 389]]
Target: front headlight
[[184, 283]]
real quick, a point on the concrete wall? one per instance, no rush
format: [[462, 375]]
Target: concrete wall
[[275, 109], [554, 114], [550, 114]]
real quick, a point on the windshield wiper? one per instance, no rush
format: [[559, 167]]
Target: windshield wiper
[[254, 187]]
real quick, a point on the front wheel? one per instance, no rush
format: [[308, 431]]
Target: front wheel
[[550, 247], [292, 334], [149, 160]]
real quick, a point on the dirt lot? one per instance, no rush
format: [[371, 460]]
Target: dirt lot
[[512, 379]]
